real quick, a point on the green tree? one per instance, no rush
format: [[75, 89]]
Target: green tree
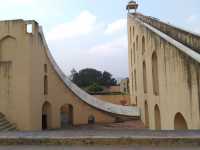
[[87, 77], [107, 79], [94, 88]]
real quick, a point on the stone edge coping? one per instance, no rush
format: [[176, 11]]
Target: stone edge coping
[[188, 51], [100, 140]]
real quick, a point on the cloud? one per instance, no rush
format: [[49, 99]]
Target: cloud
[[81, 25], [192, 18], [116, 27], [19, 2], [197, 30], [109, 48], [90, 44], [193, 23]]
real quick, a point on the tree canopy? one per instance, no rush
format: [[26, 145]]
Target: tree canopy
[[87, 77]]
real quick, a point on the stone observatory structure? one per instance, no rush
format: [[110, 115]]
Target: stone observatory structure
[[34, 92], [164, 72]]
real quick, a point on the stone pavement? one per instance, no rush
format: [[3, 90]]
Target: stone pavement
[[134, 125], [97, 135], [31, 147], [102, 137]]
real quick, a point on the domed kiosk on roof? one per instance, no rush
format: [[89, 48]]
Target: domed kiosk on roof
[[132, 5]]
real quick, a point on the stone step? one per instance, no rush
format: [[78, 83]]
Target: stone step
[[4, 122], [2, 119], [11, 128], [6, 126], [1, 115]]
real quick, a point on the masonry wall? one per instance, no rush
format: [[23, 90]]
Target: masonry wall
[[178, 80], [23, 67], [57, 94]]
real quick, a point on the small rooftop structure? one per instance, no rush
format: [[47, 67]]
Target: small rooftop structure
[[132, 5]]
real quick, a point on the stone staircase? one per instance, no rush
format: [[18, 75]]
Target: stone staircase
[[5, 125]]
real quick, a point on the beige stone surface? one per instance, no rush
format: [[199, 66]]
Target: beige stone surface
[[164, 77], [115, 99], [33, 89], [124, 86]]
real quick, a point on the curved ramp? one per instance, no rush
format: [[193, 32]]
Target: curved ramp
[[128, 111]]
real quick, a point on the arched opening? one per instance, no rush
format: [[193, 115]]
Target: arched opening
[[91, 119], [45, 85], [130, 35], [135, 80], [134, 53], [136, 101], [8, 46], [180, 122], [46, 116], [45, 68], [133, 31], [144, 77], [66, 116], [132, 78], [137, 43], [143, 45], [131, 58], [155, 76], [157, 118], [146, 114]]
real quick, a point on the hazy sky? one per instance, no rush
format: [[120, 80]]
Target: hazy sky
[[92, 33]]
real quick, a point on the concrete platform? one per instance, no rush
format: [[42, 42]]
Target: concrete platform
[[32, 147], [101, 137]]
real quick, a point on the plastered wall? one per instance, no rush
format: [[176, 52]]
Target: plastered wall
[[178, 78]]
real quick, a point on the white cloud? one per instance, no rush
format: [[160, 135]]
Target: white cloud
[[116, 26], [193, 23], [81, 25], [109, 48], [19, 2], [197, 30], [192, 18]]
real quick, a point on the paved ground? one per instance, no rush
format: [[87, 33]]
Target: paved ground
[[91, 148], [134, 125], [109, 134], [102, 133], [125, 129]]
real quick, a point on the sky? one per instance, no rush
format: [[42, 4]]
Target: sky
[[93, 33]]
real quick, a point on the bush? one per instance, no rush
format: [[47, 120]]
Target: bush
[[94, 88]]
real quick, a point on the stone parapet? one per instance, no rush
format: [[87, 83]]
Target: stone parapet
[[192, 40]]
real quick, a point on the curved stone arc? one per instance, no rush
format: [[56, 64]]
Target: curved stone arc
[[128, 111], [188, 51]]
